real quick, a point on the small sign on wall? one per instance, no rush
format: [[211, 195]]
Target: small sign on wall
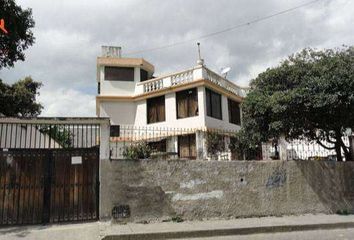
[[76, 160]]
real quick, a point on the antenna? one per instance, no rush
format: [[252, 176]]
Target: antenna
[[224, 71], [200, 61]]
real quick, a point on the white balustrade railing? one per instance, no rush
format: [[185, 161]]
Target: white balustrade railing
[[226, 84], [154, 85], [183, 77], [189, 76]]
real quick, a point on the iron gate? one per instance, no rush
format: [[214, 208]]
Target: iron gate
[[49, 173]]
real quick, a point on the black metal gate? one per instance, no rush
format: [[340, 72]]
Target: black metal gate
[[48, 173]]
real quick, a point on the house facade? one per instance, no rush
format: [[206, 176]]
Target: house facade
[[196, 99]]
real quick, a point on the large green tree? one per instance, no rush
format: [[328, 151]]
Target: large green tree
[[310, 95], [19, 99], [18, 23]]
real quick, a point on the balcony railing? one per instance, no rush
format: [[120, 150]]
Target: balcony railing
[[190, 75]]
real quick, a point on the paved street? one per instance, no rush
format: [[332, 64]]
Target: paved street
[[336, 234], [335, 225]]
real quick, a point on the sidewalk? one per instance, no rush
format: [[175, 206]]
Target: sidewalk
[[209, 228]]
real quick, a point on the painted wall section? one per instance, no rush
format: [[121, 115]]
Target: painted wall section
[[119, 113], [160, 189]]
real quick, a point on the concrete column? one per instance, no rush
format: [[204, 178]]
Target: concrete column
[[104, 141], [224, 108], [170, 106], [199, 142], [103, 163], [136, 75]]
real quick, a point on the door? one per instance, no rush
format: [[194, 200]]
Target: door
[[41, 186]]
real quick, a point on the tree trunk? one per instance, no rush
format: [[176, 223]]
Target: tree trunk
[[338, 146], [351, 149], [338, 152]]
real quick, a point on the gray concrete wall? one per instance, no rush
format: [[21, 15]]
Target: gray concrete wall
[[157, 189]]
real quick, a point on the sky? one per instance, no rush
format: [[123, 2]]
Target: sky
[[69, 35]]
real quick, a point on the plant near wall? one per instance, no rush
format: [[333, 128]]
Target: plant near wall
[[215, 143], [243, 146], [59, 134], [137, 151]]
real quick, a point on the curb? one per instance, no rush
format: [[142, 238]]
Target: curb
[[228, 232]]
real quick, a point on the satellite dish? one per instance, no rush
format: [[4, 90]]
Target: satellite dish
[[224, 71]]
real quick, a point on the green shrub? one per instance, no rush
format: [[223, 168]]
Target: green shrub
[[137, 151], [215, 143]]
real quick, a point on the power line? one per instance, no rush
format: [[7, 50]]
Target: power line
[[224, 30]]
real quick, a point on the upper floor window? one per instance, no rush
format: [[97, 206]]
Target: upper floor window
[[213, 102], [234, 112], [119, 73], [187, 103], [155, 109], [143, 75]]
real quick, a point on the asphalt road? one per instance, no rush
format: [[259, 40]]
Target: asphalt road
[[336, 234]]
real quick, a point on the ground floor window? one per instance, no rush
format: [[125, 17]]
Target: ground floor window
[[187, 146], [158, 146]]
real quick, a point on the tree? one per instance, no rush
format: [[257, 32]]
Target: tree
[[309, 96], [19, 36], [19, 99]]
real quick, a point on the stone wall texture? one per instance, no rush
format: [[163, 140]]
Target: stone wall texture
[[161, 189]]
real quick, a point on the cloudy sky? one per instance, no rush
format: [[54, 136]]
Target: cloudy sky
[[69, 35]]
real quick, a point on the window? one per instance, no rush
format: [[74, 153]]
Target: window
[[213, 101], [156, 109], [187, 103], [158, 146], [119, 73], [114, 131], [98, 88], [234, 112], [143, 75], [187, 146]]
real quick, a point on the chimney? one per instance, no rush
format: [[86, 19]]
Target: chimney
[[111, 51]]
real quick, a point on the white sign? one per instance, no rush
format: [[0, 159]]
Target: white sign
[[76, 160]]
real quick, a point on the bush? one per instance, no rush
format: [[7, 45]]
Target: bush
[[244, 147], [137, 151], [215, 143]]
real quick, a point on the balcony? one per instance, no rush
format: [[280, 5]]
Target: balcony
[[190, 75]]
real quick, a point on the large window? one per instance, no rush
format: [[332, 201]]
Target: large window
[[234, 112], [187, 103], [156, 109], [213, 101], [143, 75], [119, 73], [187, 146]]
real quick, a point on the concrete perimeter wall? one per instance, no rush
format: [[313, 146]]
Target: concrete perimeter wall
[[161, 189]]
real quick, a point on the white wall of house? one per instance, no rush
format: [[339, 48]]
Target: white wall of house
[[120, 113], [135, 113], [118, 88]]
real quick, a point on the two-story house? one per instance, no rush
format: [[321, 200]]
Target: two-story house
[[196, 98]]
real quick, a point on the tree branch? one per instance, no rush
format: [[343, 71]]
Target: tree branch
[[345, 148], [328, 139], [324, 146]]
